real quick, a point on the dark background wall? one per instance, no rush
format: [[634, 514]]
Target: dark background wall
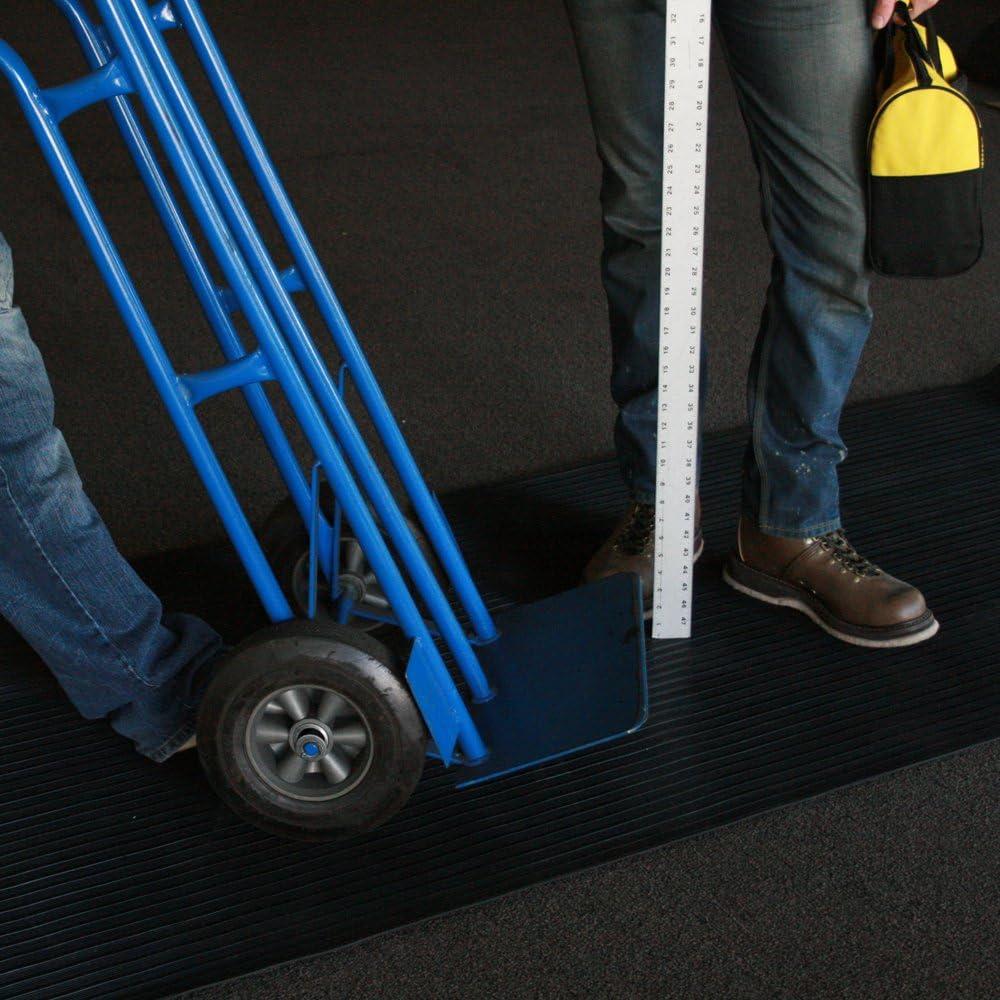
[[973, 29], [441, 156]]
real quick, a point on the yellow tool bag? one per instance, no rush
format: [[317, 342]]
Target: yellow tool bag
[[925, 158]]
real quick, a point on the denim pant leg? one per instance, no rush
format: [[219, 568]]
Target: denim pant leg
[[63, 584], [620, 44], [803, 74]]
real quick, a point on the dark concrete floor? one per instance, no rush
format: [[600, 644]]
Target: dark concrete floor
[[883, 891]]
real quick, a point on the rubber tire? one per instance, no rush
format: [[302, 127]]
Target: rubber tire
[[324, 654], [285, 541]]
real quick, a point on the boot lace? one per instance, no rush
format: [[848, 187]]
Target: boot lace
[[840, 549], [638, 530]]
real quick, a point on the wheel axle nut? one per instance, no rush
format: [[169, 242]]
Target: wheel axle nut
[[311, 743]]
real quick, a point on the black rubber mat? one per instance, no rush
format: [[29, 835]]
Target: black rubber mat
[[123, 879]]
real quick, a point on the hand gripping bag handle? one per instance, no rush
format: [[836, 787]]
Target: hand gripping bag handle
[[922, 54]]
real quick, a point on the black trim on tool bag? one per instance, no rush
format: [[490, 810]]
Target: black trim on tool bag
[[904, 210]]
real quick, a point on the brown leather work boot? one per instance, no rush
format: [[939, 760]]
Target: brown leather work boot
[[630, 549], [826, 579]]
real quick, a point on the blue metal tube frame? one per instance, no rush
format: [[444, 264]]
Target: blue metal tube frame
[[127, 34], [97, 54], [164, 84], [314, 276], [109, 262], [179, 392]]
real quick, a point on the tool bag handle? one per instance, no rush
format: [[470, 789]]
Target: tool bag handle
[[920, 53]]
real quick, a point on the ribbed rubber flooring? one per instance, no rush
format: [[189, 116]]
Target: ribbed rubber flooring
[[122, 879]]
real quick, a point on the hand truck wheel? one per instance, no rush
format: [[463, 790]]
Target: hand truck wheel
[[286, 543], [307, 730]]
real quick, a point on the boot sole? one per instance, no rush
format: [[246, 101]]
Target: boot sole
[[770, 590], [647, 602]]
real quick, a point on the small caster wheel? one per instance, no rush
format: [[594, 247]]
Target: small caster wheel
[[286, 543], [308, 731]]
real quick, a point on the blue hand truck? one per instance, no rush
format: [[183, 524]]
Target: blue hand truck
[[314, 726]]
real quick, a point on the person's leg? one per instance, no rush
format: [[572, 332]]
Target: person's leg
[[621, 47], [803, 72], [63, 584], [621, 50]]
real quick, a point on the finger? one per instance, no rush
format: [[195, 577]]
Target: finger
[[881, 12]]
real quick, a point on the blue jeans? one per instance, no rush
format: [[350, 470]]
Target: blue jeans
[[804, 80], [63, 584]]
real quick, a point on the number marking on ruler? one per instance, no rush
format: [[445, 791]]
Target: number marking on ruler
[[685, 134]]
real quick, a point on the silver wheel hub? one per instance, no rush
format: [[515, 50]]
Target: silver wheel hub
[[356, 579], [310, 738], [309, 742], [354, 585]]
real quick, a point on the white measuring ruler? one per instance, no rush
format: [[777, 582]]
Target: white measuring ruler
[[685, 138]]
